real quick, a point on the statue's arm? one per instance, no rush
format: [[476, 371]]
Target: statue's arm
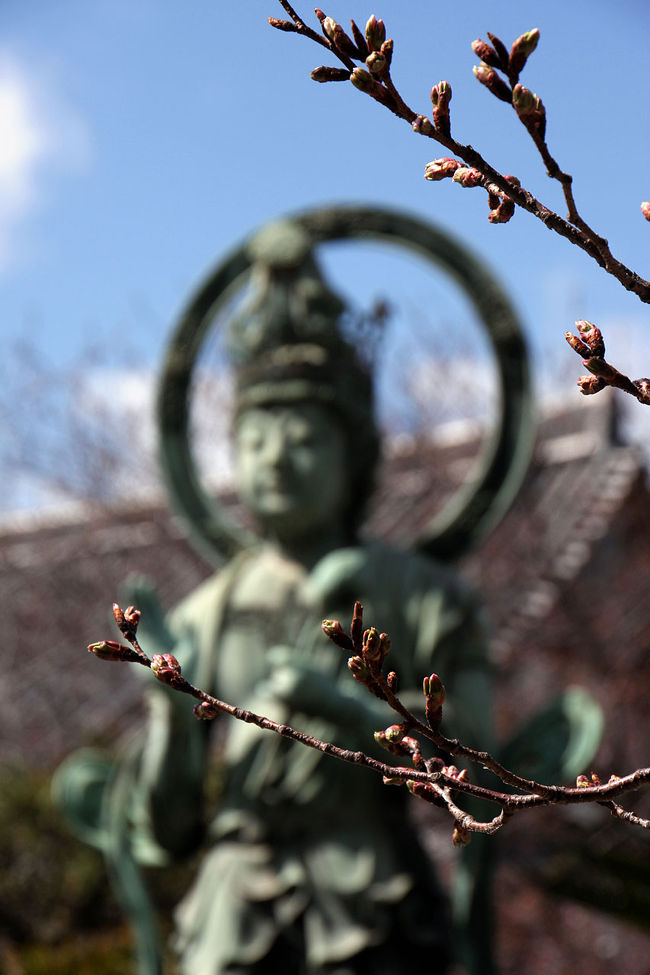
[[345, 703]]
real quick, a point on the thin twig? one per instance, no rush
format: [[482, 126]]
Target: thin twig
[[575, 229]]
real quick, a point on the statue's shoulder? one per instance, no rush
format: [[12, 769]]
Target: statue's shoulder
[[410, 569], [199, 608]]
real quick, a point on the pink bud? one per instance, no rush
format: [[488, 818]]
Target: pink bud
[[643, 386], [492, 81], [205, 711], [441, 168], [588, 385], [376, 63], [434, 689], [460, 837], [375, 33], [577, 346], [423, 126], [486, 53], [325, 73], [592, 336], [521, 50], [468, 177], [358, 669], [335, 632], [165, 668], [371, 646], [328, 26], [111, 650], [503, 212], [645, 209]]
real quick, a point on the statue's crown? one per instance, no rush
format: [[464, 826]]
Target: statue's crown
[[287, 342]]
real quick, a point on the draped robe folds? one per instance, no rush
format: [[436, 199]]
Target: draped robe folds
[[303, 847]]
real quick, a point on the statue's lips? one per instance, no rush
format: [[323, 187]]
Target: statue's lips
[[277, 489]]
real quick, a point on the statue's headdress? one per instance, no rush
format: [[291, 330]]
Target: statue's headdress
[[287, 346]]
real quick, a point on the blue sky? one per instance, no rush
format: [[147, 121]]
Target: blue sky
[[142, 139]]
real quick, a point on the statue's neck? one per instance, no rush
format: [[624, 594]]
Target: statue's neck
[[308, 550]]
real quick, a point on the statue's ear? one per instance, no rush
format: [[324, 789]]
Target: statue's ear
[[153, 632], [559, 741]]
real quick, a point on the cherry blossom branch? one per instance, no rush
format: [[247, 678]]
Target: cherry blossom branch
[[499, 72], [590, 345], [429, 779]]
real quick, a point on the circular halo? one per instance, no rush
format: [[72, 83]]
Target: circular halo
[[476, 507]]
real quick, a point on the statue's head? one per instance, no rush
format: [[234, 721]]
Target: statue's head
[[306, 442]]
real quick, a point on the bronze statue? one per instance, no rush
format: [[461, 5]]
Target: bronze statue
[[312, 866]]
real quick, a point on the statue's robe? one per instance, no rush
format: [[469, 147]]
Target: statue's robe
[[304, 848]]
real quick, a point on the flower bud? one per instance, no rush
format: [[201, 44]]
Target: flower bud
[[356, 626], [423, 791], [577, 346], [205, 711], [336, 633], [358, 669], [645, 209], [132, 617], [371, 646], [486, 53], [492, 81], [643, 386], [326, 73], [111, 650], [582, 782], [521, 50], [441, 94], [588, 385], [595, 779], [530, 109], [344, 43], [329, 26], [375, 33], [503, 212], [441, 168], [362, 80], [423, 126], [468, 177], [376, 63], [286, 25], [395, 732], [360, 41], [434, 689], [501, 50], [385, 644], [387, 50], [165, 667], [391, 680], [440, 98], [461, 836], [592, 335]]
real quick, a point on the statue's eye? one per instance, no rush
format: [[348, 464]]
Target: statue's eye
[[300, 436]]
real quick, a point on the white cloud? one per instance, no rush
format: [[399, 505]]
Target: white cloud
[[37, 131]]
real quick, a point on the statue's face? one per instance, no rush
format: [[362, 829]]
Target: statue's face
[[291, 467]]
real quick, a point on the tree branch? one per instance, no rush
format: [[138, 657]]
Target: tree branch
[[429, 779]]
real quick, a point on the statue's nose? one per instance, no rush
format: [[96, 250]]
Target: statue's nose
[[275, 449]]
